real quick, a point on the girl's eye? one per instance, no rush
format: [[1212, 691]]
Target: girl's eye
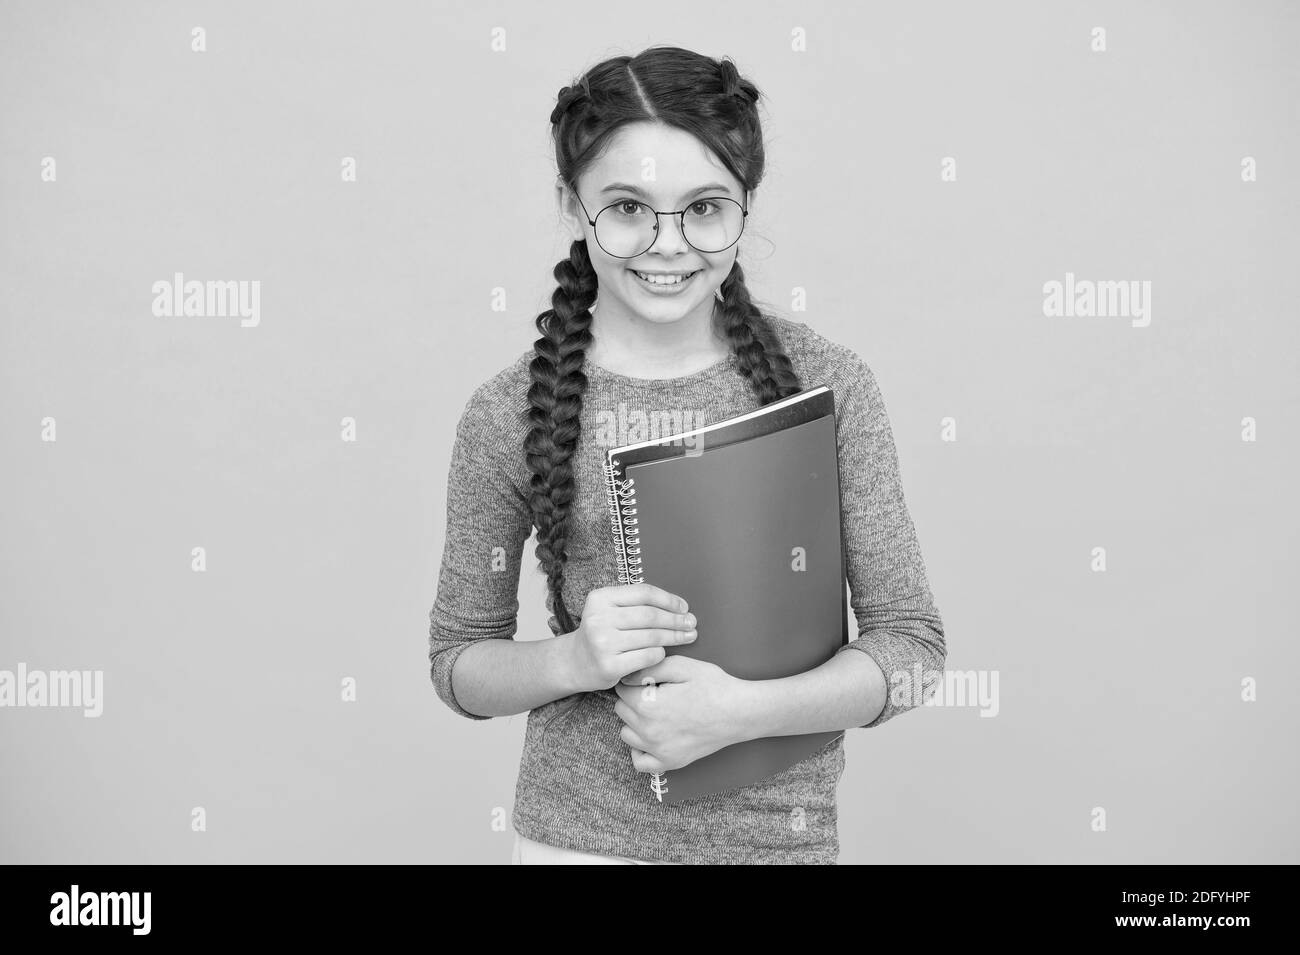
[[628, 207], [703, 207]]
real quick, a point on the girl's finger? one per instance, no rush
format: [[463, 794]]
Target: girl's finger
[[632, 738], [643, 762], [627, 714]]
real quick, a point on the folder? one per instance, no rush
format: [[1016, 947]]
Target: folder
[[742, 519]]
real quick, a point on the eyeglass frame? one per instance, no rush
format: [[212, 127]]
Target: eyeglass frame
[[681, 223]]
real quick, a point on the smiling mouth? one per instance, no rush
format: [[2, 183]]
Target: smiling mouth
[[665, 280]]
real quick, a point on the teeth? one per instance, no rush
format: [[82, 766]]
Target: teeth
[[664, 279]]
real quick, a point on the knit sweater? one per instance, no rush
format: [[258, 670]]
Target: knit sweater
[[577, 787]]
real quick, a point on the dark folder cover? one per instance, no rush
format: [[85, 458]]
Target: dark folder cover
[[742, 519]]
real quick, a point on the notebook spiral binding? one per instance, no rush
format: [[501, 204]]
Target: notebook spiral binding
[[621, 496], [622, 517]]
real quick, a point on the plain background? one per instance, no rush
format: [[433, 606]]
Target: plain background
[[1119, 690]]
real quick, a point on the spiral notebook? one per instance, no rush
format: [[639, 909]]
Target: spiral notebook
[[742, 519]]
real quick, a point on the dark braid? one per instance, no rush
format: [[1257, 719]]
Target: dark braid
[[709, 99], [761, 358], [555, 402]]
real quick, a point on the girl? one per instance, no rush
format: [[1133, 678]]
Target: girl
[[659, 156]]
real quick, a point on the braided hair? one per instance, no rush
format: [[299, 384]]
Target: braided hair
[[709, 99]]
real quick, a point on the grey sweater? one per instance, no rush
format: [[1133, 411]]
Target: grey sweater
[[577, 787]]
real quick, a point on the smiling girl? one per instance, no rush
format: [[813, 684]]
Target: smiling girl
[[659, 157]]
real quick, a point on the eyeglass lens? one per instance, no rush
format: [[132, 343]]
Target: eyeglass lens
[[627, 228]]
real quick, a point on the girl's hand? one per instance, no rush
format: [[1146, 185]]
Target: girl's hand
[[624, 628], [695, 709]]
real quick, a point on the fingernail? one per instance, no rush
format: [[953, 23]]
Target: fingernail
[[691, 634], [690, 619]]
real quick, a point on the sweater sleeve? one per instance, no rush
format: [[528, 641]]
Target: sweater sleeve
[[899, 625], [488, 523]]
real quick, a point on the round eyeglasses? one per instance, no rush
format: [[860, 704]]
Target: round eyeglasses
[[627, 228]]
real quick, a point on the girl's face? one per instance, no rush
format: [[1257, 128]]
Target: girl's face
[[668, 169]]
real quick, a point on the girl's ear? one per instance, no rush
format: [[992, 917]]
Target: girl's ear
[[570, 212]]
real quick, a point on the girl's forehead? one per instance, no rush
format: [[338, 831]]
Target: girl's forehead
[[633, 144], [659, 159]]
